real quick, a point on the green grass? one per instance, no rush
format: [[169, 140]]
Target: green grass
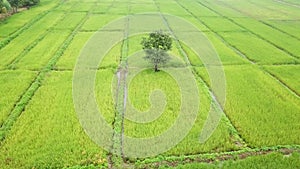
[[195, 22], [283, 41], [259, 51], [40, 55], [289, 26], [20, 19], [142, 8], [82, 7], [19, 45], [70, 55], [101, 7], [139, 90], [70, 21], [48, 133], [16, 82], [286, 11], [67, 6], [220, 8], [105, 94], [261, 11], [264, 112], [122, 8], [198, 10], [172, 8], [97, 21], [226, 54], [219, 24], [289, 75], [261, 109]]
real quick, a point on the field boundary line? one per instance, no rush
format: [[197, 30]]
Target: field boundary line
[[218, 35], [11, 37], [281, 82], [218, 156], [33, 44], [116, 157], [215, 102], [28, 95], [274, 77], [259, 20], [229, 123], [240, 53], [287, 3], [257, 35]]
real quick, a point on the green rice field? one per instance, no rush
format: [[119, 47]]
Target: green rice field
[[258, 47]]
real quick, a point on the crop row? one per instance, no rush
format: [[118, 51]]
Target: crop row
[[37, 125], [139, 98], [14, 30], [262, 115], [286, 11], [38, 57], [18, 45], [287, 75], [260, 51], [265, 13], [16, 82], [48, 134], [70, 21], [257, 53], [287, 25], [97, 21], [278, 39]]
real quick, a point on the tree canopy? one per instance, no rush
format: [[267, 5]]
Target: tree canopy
[[15, 4], [156, 47]]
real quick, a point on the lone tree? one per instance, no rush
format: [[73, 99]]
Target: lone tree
[[156, 47]]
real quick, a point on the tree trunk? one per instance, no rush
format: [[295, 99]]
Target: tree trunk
[[156, 68]]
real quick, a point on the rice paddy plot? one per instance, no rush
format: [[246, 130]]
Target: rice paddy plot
[[258, 46], [69, 57], [292, 27], [279, 39], [171, 8], [142, 8], [220, 24], [15, 48], [263, 111], [227, 54], [16, 83], [96, 21], [70, 21], [288, 74], [21, 19], [196, 9], [39, 56], [259, 51], [48, 133]]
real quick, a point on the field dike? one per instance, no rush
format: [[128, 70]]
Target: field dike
[[237, 138], [116, 155], [7, 40], [12, 64], [261, 21], [240, 53], [210, 158], [257, 35]]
